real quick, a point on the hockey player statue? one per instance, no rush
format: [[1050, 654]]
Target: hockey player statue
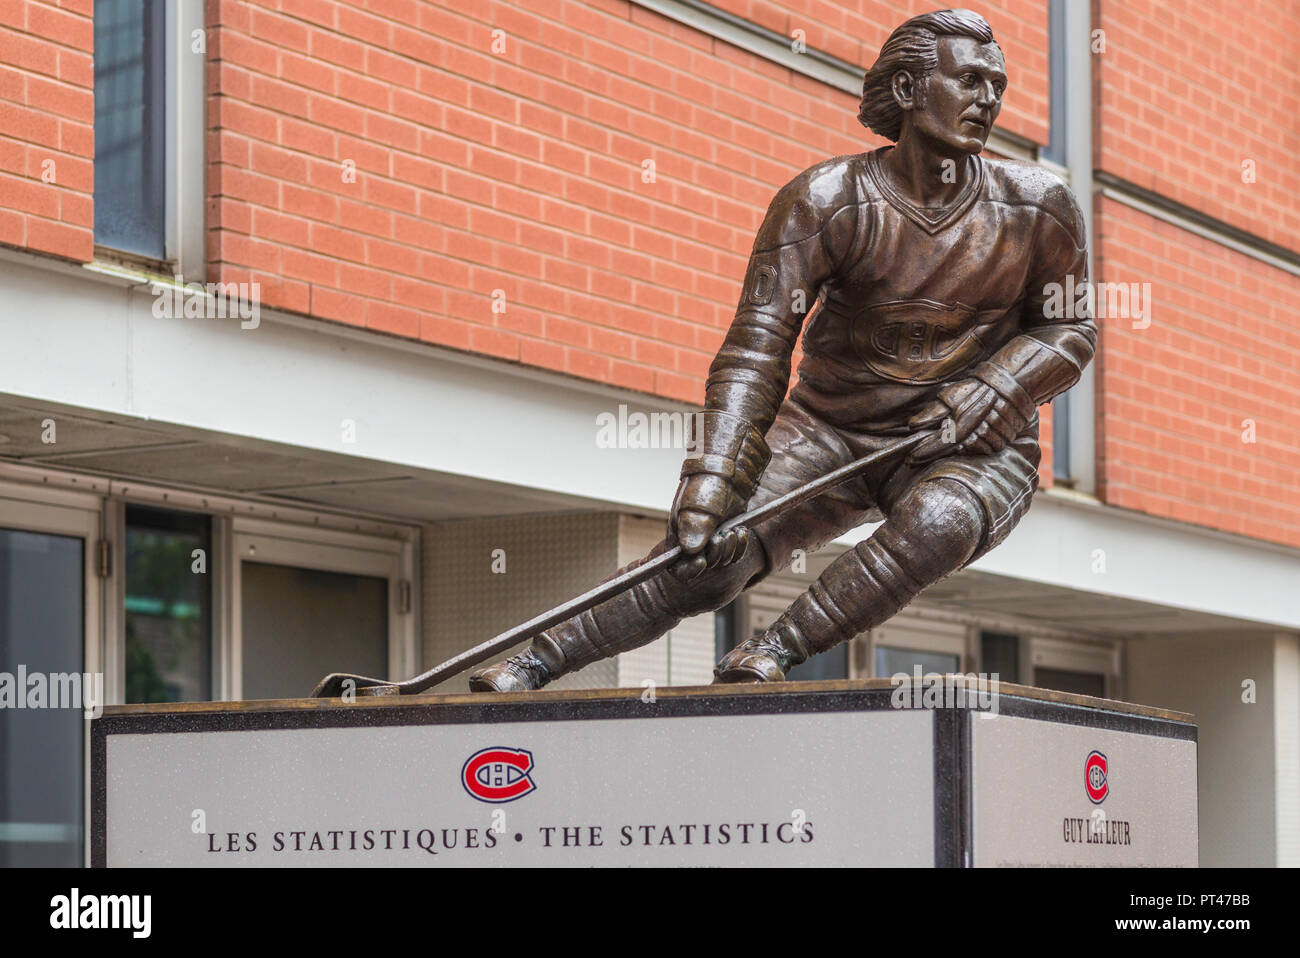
[[930, 266]]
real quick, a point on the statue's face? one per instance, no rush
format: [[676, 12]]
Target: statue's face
[[963, 95]]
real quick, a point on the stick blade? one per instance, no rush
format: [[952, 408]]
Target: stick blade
[[336, 683]]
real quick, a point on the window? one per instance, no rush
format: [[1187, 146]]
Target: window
[[891, 660], [908, 642], [1079, 667], [168, 606], [1067, 680], [130, 146], [150, 57], [227, 600], [1000, 655]]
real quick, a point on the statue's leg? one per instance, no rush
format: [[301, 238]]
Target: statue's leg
[[941, 517], [802, 451], [626, 621]]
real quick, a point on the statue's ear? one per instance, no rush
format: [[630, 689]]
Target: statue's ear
[[904, 89]]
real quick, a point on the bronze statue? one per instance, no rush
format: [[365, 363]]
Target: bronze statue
[[930, 266]]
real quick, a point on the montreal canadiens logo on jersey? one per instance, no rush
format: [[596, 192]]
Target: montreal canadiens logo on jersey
[[1094, 778], [498, 774]]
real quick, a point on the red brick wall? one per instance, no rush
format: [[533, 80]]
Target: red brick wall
[[1188, 91], [47, 127], [1223, 347], [519, 172]]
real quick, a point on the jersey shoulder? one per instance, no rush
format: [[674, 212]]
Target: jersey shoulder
[[1028, 184], [809, 203]]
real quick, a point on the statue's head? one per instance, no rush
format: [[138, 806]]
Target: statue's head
[[939, 76]]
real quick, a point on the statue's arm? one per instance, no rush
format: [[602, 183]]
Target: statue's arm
[[991, 407], [794, 254], [1050, 352]]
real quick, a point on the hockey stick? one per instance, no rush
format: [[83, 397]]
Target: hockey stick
[[337, 683]]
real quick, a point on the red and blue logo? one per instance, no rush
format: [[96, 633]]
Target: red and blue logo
[[1094, 778], [498, 774]]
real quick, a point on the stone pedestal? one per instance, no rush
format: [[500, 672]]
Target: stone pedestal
[[857, 772]]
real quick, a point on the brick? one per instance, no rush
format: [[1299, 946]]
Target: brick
[[281, 97], [310, 267], [364, 27], [314, 204], [337, 243], [13, 157], [229, 214], [27, 195], [365, 218], [61, 239], [392, 256], [539, 352], [588, 365], [390, 193], [398, 320], [66, 28], [339, 306], [14, 16], [337, 115], [494, 342], [337, 49], [71, 173], [277, 163], [366, 281], [417, 294], [308, 72], [13, 228], [400, 72], [364, 91], [278, 228], [391, 131], [308, 138], [445, 331], [65, 99]]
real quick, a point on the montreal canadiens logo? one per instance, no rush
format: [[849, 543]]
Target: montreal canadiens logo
[[1094, 778], [498, 774]]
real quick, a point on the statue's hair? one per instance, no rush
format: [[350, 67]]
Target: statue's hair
[[912, 47]]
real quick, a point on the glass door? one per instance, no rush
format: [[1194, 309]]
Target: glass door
[[48, 687], [310, 603], [299, 623]]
